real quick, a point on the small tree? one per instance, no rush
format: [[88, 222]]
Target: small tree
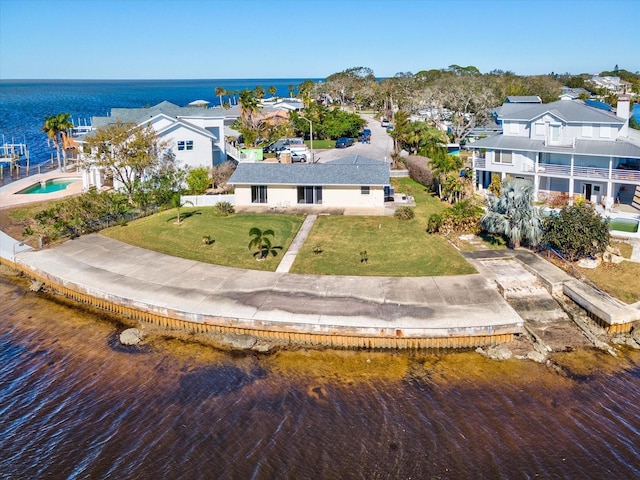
[[496, 184], [512, 214], [177, 203], [260, 240], [198, 180], [577, 231]]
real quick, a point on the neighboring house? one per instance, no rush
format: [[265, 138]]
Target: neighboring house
[[569, 93], [352, 182], [566, 148], [194, 134], [614, 84]]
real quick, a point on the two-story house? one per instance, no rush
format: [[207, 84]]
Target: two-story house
[[566, 148], [194, 135]]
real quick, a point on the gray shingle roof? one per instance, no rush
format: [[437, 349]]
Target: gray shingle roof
[[571, 111], [354, 160], [139, 115], [310, 174], [523, 99], [618, 148]]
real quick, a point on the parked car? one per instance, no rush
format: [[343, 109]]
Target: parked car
[[365, 136], [344, 142], [385, 123], [298, 157]]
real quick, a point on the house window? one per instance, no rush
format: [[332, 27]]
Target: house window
[[504, 157], [514, 128], [259, 194], [307, 195], [365, 190], [185, 145], [605, 131], [539, 129], [587, 131], [555, 134]]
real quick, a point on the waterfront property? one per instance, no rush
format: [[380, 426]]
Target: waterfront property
[[353, 182], [194, 135], [567, 149]]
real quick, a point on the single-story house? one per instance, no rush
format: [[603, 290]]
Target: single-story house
[[353, 182]]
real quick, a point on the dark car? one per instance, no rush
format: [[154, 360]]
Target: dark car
[[344, 142]]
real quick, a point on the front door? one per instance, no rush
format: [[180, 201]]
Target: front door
[[592, 192]]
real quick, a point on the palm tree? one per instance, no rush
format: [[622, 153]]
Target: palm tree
[[177, 203], [512, 214], [220, 91], [291, 90], [56, 128], [260, 241], [259, 91], [272, 90]]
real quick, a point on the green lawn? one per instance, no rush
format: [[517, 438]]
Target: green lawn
[[394, 247], [229, 235]]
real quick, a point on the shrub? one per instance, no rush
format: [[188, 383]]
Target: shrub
[[224, 209], [419, 170], [463, 217], [404, 213], [434, 223], [577, 232]]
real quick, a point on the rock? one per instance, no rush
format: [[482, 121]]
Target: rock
[[131, 336], [262, 348], [536, 357], [588, 262], [36, 286], [616, 259], [499, 352], [241, 342]]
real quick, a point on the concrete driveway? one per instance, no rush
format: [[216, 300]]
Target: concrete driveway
[[380, 148]]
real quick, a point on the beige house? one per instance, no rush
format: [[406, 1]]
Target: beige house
[[353, 182]]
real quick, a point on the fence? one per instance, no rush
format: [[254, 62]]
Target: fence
[[208, 200]]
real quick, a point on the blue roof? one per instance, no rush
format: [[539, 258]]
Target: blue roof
[[597, 104]]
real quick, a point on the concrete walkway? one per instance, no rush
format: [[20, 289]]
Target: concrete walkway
[[290, 256], [411, 307]]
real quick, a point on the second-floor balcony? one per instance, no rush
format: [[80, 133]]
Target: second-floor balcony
[[555, 170], [550, 169]]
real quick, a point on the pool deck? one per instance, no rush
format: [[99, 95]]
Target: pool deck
[[10, 198]]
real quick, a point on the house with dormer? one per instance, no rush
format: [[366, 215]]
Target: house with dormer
[[566, 149]]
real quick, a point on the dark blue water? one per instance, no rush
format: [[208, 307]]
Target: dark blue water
[[24, 104], [635, 111]]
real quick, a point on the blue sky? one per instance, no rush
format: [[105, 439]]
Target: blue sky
[[203, 39]]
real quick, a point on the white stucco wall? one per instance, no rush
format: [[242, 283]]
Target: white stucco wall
[[334, 196], [200, 156]]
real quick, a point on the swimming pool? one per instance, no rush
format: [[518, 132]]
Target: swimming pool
[[49, 186], [628, 225]]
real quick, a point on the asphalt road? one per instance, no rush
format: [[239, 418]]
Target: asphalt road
[[380, 148]]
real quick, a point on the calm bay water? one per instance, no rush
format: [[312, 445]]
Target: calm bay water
[[74, 406], [24, 104]]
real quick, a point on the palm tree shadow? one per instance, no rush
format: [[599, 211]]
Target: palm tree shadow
[[184, 216], [263, 254]]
